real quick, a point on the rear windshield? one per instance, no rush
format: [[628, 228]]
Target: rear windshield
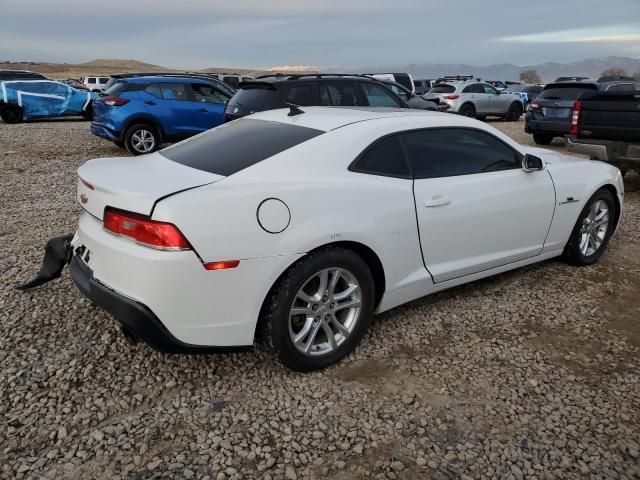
[[564, 93], [255, 98], [116, 88], [442, 88], [237, 145]]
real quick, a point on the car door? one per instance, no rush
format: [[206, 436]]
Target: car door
[[208, 106], [171, 104], [498, 104], [41, 98], [476, 207], [478, 97]]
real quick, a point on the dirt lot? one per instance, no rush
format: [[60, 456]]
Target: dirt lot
[[531, 374]]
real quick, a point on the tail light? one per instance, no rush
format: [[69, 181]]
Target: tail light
[[534, 105], [142, 230], [113, 101], [575, 117], [451, 97]]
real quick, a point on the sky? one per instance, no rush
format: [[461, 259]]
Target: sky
[[320, 34]]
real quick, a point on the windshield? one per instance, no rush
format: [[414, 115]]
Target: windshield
[[254, 98], [564, 93], [116, 87], [442, 88]]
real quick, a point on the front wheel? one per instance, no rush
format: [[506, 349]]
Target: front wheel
[[141, 139], [593, 229], [11, 114], [320, 309]]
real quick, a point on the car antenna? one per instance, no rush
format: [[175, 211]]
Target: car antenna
[[294, 110]]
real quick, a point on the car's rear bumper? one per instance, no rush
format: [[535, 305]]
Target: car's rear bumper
[[137, 320], [198, 307], [103, 131], [547, 126], [625, 154]]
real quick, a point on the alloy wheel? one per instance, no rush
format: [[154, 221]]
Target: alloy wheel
[[143, 141], [594, 228], [325, 311]]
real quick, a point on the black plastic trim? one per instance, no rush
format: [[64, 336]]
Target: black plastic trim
[[136, 317]]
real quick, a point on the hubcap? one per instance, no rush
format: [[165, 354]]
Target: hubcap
[[143, 141], [325, 311], [594, 228]]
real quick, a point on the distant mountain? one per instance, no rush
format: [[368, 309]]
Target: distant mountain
[[506, 71]]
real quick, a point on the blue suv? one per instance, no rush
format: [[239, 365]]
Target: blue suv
[[144, 112]]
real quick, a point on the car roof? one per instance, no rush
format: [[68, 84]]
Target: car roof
[[167, 79], [317, 77], [331, 118]]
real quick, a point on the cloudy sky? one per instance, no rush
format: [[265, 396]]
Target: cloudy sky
[[324, 33]]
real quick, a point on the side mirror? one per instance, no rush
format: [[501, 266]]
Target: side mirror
[[531, 163]]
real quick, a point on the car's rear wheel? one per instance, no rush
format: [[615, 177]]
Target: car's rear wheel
[[515, 112], [593, 229], [467, 110], [11, 114], [320, 309], [141, 138], [542, 139]]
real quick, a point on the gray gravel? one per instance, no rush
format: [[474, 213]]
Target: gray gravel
[[531, 374]]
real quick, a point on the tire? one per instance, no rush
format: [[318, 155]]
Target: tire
[[141, 139], [303, 279], [542, 139], [586, 243], [467, 110], [11, 114], [515, 112], [481, 117]]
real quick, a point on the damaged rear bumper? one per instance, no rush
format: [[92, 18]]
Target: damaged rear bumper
[[137, 320]]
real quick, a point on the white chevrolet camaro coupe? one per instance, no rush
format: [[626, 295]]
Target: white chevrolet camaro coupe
[[301, 225]]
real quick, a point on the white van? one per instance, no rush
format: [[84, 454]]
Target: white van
[[404, 79], [95, 84]]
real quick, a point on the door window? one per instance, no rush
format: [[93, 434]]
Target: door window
[[174, 91], [383, 157], [489, 89], [207, 94], [339, 94], [299, 95], [91, 80], [398, 91], [448, 152], [154, 89], [377, 96]]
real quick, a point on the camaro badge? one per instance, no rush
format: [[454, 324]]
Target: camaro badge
[[83, 198]]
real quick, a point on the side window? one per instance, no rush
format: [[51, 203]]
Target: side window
[[339, 94], [489, 89], [378, 97], [398, 91], [207, 94], [174, 91], [448, 152], [469, 89], [154, 89], [383, 157], [91, 80], [299, 95]]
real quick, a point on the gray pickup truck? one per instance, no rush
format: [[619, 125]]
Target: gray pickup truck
[[606, 126]]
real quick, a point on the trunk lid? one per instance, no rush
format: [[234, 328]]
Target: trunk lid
[[134, 184]]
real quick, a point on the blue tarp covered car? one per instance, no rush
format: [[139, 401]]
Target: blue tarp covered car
[[33, 99]]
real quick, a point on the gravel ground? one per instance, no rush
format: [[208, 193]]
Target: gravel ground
[[530, 374]]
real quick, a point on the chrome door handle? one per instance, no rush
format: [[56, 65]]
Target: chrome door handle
[[437, 201]]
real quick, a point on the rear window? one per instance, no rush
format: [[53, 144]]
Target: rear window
[[237, 145], [443, 88], [564, 93], [255, 98], [116, 88]]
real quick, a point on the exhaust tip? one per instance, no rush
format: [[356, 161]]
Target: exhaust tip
[[129, 336]]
